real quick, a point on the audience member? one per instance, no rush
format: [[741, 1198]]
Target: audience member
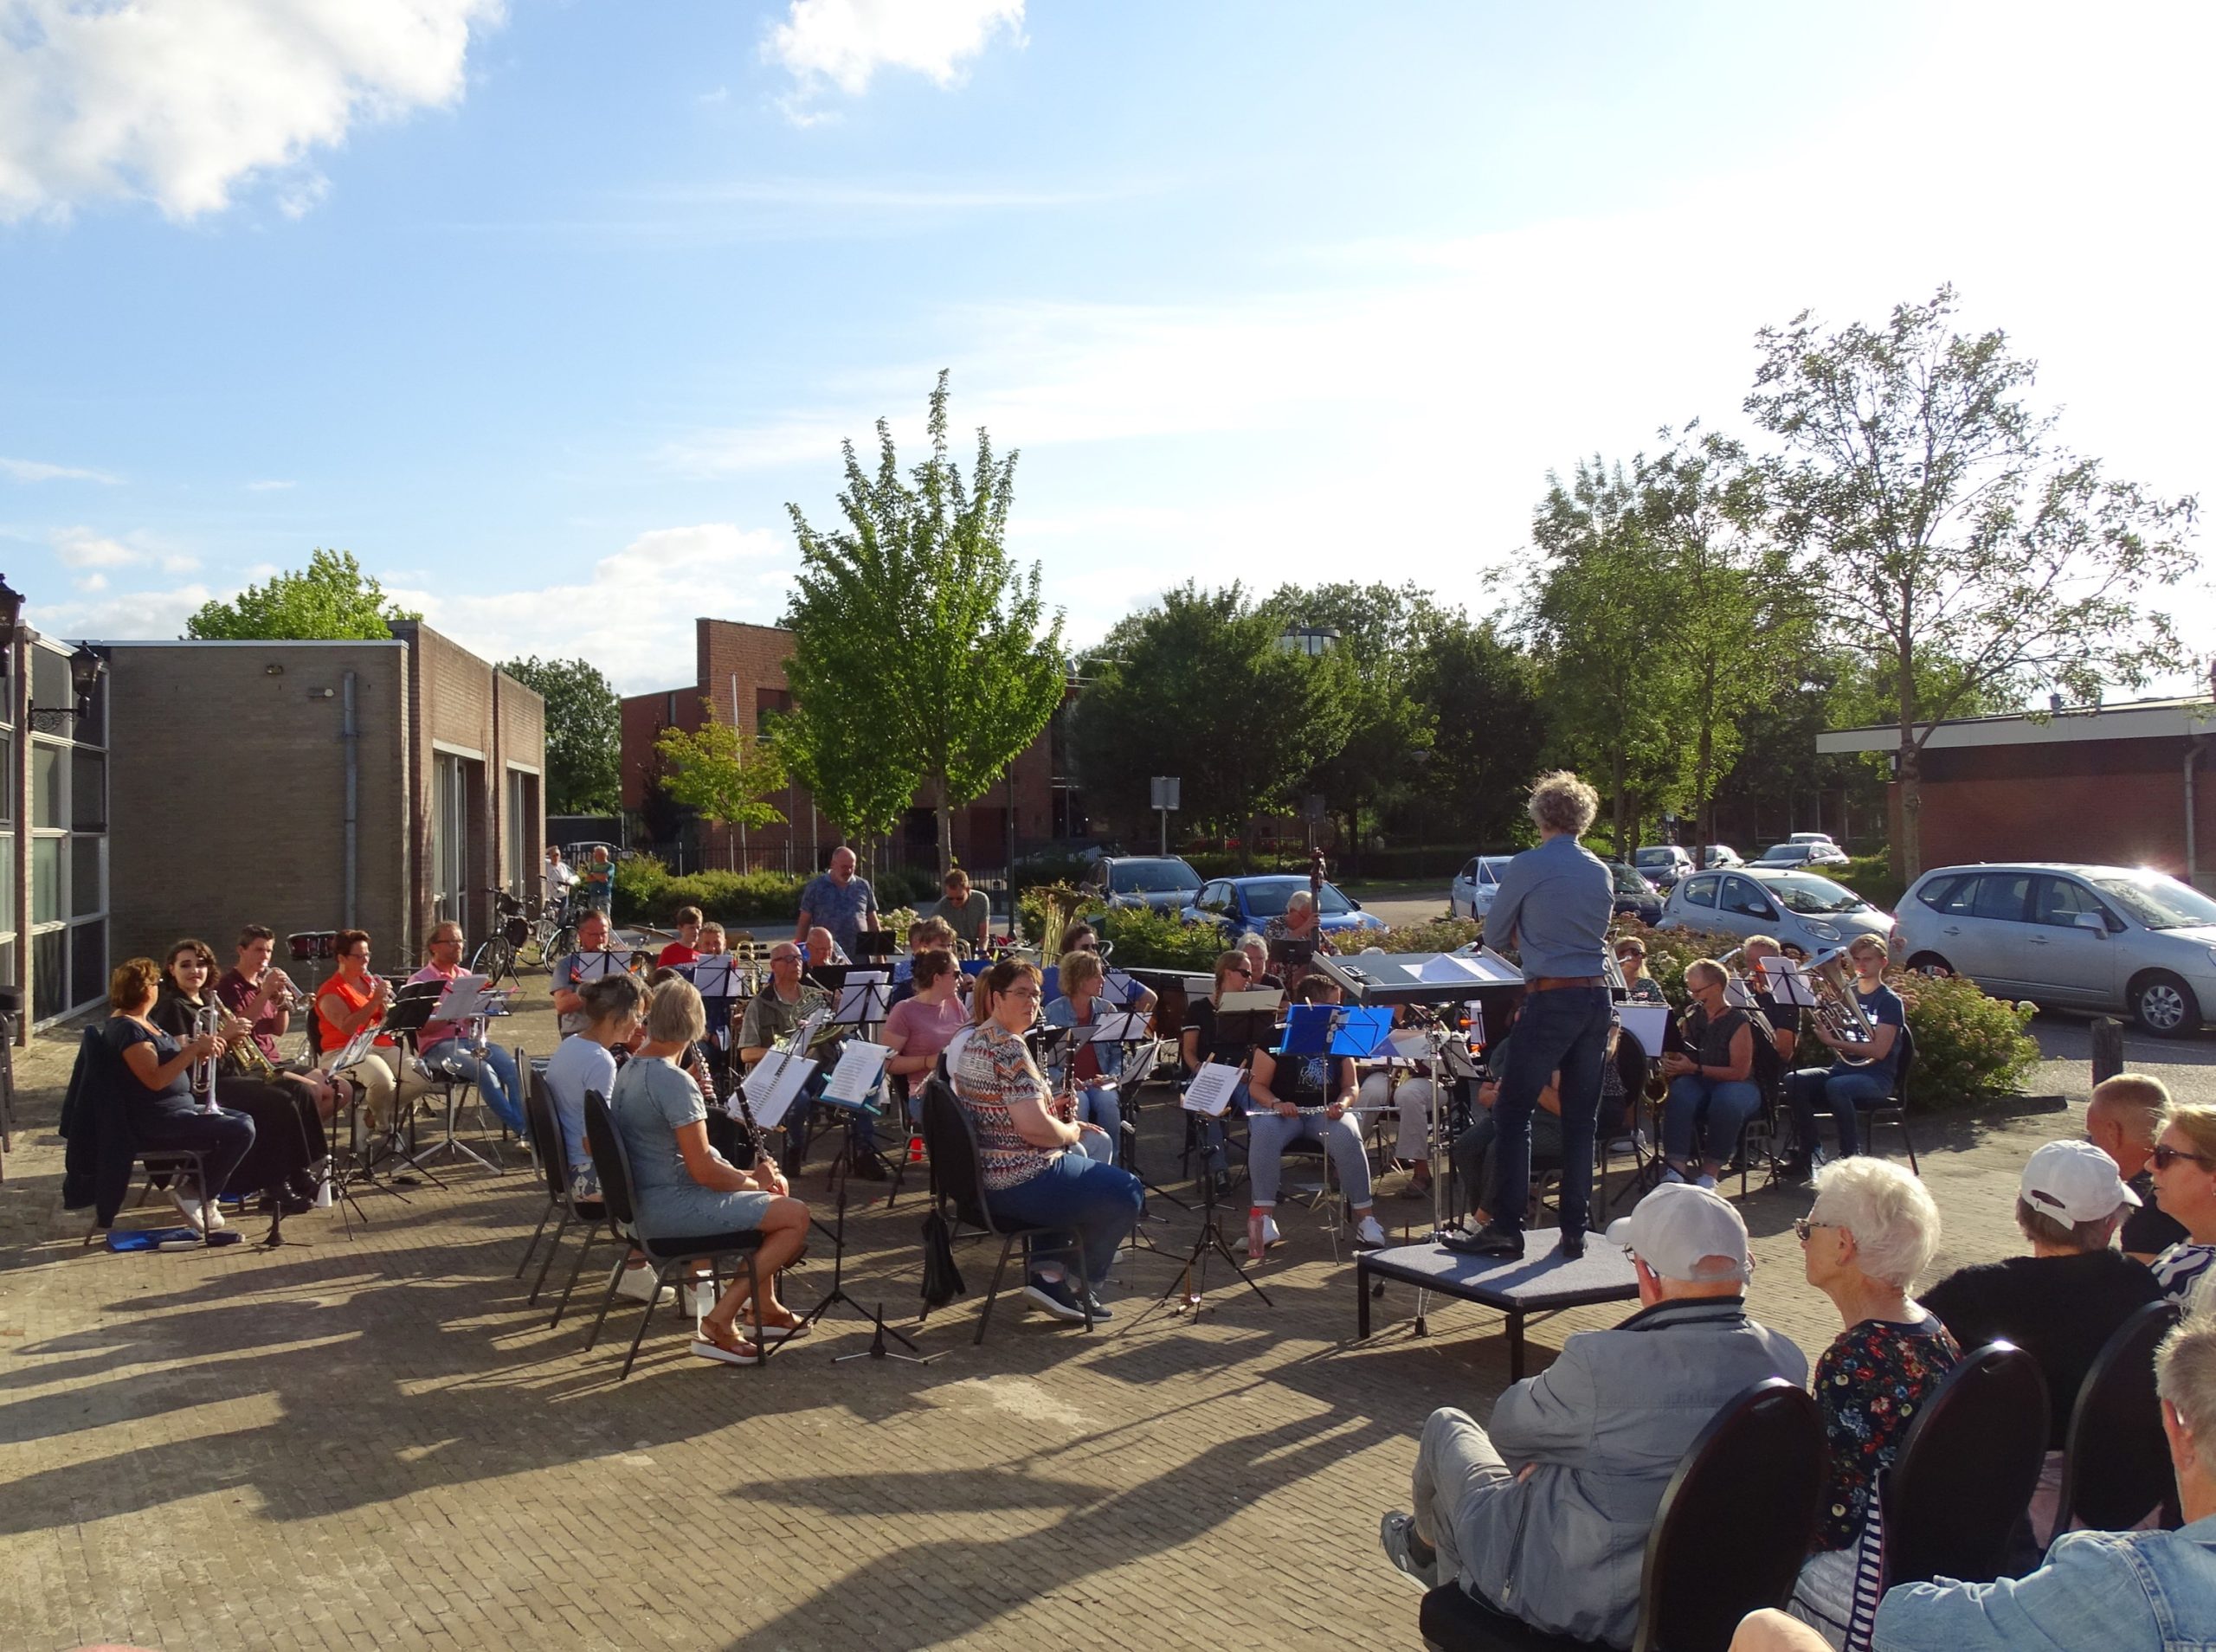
[[2122, 1120], [2183, 1163], [1863, 1072], [1296, 1097], [1030, 1175], [1544, 1515], [444, 1046], [1872, 1229], [2099, 1592], [556, 883], [840, 902], [158, 1108], [687, 947], [2063, 1302], [596, 879], [1712, 1091]]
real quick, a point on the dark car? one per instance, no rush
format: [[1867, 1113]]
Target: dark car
[[1165, 883], [1635, 896], [1238, 904]]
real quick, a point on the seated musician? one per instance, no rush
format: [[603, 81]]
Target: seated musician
[[687, 946], [1631, 958], [822, 949], [1299, 926], [158, 1108], [1712, 1089], [1623, 1077], [780, 1007], [351, 1000], [925, 935], [1092, 1068], [568, 971], [444, 1046], [1863, 1071], [1304, 1098], [287, 1131], [714, 942], [1411, 1099], [919, 1027], [693, 1060], [1258, 954], [967, 912], [1030, 1176], [616, 1010], [1761, 952], [1203, 1039], [686, 1189], [264, 997]]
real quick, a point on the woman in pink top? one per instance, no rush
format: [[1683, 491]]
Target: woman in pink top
[[918, 1028]]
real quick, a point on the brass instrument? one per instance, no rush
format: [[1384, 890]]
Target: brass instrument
[[1838, 1012], [207, 1023]]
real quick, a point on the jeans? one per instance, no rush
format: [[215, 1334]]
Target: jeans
[[1101, 1107], [1411, 1099], [222, 1136], [1844, 1090], [1456, 1464], [1091, 1204], [494, 1074], [1718, 1108], [1565, 1030], [1269, 1134]]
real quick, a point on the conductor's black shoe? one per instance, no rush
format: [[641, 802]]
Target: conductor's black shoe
[[1494, 1240], [1573, 1243], [1794, 1167]]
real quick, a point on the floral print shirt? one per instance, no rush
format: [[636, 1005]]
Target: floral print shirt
[[1870, 1384]]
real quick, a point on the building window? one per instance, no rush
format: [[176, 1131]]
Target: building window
[[68, 821], [48, 807], [521, 804], [449, 838], [49, 880], [88, 791]]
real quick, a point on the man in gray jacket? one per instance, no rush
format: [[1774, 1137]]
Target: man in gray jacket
[[1545, 1516]]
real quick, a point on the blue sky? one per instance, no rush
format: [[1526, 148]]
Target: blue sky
[[546, 310]]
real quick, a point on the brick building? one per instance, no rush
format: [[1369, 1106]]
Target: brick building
[[739, 678], [2125, 785]]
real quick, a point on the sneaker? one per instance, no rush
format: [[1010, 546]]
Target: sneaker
[[1670, 1172], [1397, 1533], [639, 1284], [1367, 1232], [1100, 1310], [1270, 1234], [188, 1208], [1056, 1297], [1704, 1180]]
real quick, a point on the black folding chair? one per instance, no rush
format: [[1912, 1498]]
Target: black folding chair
[[958, 1187], [2116, 1466], [1965, 1471], [666, 1256], [1729, 1537], [1894, 1109], [553, 1162]]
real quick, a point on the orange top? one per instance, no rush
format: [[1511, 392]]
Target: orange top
[[355, 998]]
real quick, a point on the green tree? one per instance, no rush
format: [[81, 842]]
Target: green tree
[[915, 633], [1962, 548], [1481, 694], [330, 601], [1199, 686], [721, 774], [585, 733]]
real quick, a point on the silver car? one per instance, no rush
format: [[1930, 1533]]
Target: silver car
[[2087, 937], [1798, 908], [1470, 896]]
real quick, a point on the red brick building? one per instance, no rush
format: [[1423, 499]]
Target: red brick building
[[739, 680], [2127, 785]]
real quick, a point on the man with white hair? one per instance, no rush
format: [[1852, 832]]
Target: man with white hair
[[838, 901], [1544, 1515], [2099, 1592]]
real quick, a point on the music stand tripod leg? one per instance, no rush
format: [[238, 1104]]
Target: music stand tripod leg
[[837, 1294]]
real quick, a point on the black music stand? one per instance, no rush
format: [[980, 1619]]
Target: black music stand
[[720, 970], [1190, 1286], [837, 1294], [874, 946]]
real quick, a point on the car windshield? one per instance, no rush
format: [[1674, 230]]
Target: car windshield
[[1627, 881], [1813, 897], [1151, 877], [1496, 866], [1789, 852], [1656, 857], [2159, 903], [1265, 896]]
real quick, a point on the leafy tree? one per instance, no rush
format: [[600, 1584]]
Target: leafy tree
[[919, 652], [1482, 696], [721, 774], [585, 733], [330, 601], [1199, 686], [1962, 548]]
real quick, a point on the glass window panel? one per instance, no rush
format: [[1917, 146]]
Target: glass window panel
[[88, 894], [46, 785], [49, 879], [50, 680], [88, 961], [49, 975], [7, 777], [7, 884], [91, 727], [8, 963], [88, 791]]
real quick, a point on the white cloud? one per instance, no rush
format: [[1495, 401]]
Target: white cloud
[[134, 616], [180, 101], [32, 470], [632, 617], [844, 43], [93, 582], [82, 548]]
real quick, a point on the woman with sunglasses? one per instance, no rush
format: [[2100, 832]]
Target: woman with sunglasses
[[2183, 1164], [1872, 1229], [1203, 1040], [1031, 1176]]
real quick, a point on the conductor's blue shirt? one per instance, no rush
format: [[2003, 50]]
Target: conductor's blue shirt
[[1553, 904]]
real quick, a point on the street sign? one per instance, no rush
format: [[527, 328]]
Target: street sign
[[1165, 789]]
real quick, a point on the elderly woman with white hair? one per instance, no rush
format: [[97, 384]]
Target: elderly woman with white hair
[[1873, 1230]]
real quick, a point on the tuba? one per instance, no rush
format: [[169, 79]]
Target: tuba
[[1839, 1011]]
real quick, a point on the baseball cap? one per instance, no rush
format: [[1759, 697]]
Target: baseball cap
[[1677, 1225], [2073, 1182]]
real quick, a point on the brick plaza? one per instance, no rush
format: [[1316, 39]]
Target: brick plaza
[[350, 1443]]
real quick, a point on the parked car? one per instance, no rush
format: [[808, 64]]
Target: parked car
[[1238, 904], [1721, 854], [1635, 896], [1165, 883], [2088, 937], [1823, 853], [1800, 908], [1470, 896], [1662, 864], [1824, 838]]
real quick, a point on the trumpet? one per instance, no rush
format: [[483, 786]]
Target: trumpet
[[1838, 1011], [207, 1023]]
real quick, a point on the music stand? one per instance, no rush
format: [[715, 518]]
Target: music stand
[[716, 978], [404, 1020], [872, 946], [1190, 1286]]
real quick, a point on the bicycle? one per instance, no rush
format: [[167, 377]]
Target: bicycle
[[553, 935], [496, 954]]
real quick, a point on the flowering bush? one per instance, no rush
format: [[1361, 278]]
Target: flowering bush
[[1970, 1047]]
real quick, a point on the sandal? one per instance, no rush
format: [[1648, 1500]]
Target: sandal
[[727, 1348]]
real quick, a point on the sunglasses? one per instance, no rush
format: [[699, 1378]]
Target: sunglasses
[[1239, 970], [1803, 1226], [2165, 1157]]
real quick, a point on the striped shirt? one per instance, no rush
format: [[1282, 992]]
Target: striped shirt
[[994, 1069]]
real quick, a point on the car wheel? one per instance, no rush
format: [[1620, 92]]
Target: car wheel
[[1929, 963], [2165, 1005]]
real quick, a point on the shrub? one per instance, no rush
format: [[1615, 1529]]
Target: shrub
[[646, 892], [1970, 1047], [1149, 939], [1440, 935]]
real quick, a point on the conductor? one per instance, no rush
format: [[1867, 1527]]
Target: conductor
[[1553, 904]]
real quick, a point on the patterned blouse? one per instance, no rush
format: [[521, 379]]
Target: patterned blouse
[[1868, 1386], [2180, 1269], [995, 1069]]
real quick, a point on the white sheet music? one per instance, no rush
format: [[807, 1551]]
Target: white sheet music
[[861, 998], [1128, 1028], [715, 977], [777, 1079], [1211, 1090], [1645, 1022], [1118, 989], [465, 996], [859, 1064], [1234, 1002], [1791, 986], [1449, 967]]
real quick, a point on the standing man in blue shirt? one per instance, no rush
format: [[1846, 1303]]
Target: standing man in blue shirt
[[838, 901], [1553, 905]]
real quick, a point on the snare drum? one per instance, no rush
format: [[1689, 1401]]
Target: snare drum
[[311, 945]]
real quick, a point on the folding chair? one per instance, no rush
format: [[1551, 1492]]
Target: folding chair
[[2116, 1463], [1965, 1471]]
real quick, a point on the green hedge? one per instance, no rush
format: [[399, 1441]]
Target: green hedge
[[1871, 877], [648, 892]]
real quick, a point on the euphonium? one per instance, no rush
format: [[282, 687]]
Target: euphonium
[[1839, 1011]]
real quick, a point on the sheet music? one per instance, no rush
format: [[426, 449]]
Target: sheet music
[[1410, 1046], [357, 1050], [465, 996], [861, 1000], [1128, 1028], [1118, 989], [773, 1084], [1646, 1023], [1448, 967], [715, 977], [859, 1066], [1493, 970], [1268, 1001], [592, 965], [1736, 995], [1211, 1090], [1793, 987]]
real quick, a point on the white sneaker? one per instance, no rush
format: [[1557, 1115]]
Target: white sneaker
[[215, 1214], [1270, 1234], [1705, 1180], [190, 1209], [638, 1284], [1367, 1232]]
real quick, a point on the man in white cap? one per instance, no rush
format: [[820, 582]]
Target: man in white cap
[[1544, 1515], [2064, 1301]]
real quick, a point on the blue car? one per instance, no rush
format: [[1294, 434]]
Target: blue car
[[1238, 904]]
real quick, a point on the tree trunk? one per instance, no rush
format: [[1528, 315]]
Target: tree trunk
[[1621, 802], [1907, 853], [945, 827], [1704, 818]]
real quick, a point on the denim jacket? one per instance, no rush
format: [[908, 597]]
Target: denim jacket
[[1062, 1012], [2099, 1592]]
